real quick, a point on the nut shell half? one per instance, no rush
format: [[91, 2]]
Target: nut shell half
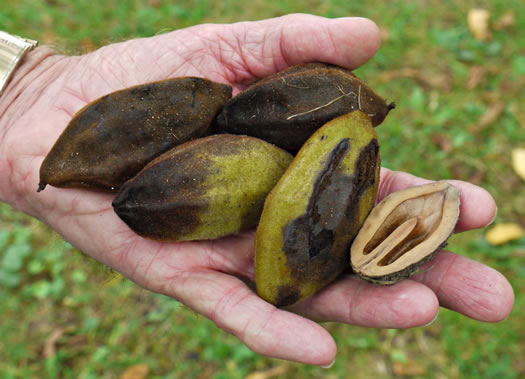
[[404, 231]]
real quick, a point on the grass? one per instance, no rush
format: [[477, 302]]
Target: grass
[[64, 315]]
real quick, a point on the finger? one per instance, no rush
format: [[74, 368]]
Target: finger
[[478, 208], [468, 287], [265, 329], [354, 301], [234, 255], [272, 45]]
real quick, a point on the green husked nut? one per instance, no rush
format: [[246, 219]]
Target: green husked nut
[[314, 212], [286, 108], [112, 138], [203, 189]]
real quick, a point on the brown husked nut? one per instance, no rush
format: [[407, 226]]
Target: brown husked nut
[[112, 138], [404, 231], [286, 108]]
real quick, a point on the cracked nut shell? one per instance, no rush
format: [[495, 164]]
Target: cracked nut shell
[[316, 209], [112, 138], [203, 189], [404, 231]]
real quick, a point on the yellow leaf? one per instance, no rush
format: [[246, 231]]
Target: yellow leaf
[[113, 279], [270, 373], [508, 20], [518, 162], [503, 233], [139, 371], [478, 23], [409, 368]]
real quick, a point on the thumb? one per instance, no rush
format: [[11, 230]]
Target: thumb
[[274, 44]]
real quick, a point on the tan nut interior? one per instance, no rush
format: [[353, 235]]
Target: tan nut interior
[[405, 228]]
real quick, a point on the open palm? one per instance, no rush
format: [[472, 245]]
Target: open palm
[[211, 277]]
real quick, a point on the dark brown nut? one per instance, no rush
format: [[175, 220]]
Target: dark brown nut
[[316, 209], [286, 108], [112, 138], [203, 189], [404, 231]]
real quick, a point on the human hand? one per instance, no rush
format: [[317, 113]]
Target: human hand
[[210, 277]]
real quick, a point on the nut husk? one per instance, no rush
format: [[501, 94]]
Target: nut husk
[[316, 209], [404, 231], [112, 138], [203, 189], [286, 108]]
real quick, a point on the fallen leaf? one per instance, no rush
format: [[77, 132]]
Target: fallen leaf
[[443, 141], [50, 346], [503, 233], [508, 20], [517, 112], [384, 33], [155, 3], [437, 80], [508, 86], [76, 342], [69, 302], [47, 21], [518, 162], [49, 38], [477, 177], [478, 23], [477, 75], [88, 44], [519, 366], [114, 278], [409, 368], [381, 366], [518, 254], [475, 174], [138, 371], [433, 101], [491, 96], [270, 373], [493, 112], [192, 355]]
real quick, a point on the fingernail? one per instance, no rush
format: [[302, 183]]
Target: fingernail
[[434, 319], [329, 365], [493, 218]]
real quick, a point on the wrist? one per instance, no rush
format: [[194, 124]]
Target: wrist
[[33, 64], [18, 114]]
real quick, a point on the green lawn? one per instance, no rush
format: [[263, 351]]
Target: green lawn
[[63, 315]]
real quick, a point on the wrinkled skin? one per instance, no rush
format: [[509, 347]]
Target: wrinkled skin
[[205, 275]]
